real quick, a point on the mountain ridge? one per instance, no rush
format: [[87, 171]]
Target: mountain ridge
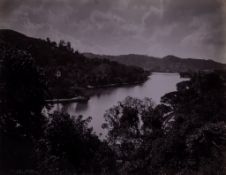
[[169, 63]]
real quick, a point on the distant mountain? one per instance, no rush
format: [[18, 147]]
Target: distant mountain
[[67, 71], [169, 63]]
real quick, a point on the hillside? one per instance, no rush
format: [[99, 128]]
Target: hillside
[[68, 72], [169, 63]]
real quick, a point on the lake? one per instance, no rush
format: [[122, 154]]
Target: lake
[[155, 87]]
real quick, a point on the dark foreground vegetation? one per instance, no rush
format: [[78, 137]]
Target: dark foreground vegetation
[[185, 134], [69, 73]]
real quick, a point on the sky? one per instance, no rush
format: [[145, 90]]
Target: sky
[[185, 28]]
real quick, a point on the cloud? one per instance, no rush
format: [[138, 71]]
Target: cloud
[[157, 27]]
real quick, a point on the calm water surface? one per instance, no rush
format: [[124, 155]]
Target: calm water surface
[[156, 86]]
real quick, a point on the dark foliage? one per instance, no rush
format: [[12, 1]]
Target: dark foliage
[[71, 147], [22, 94], [34, 144], [186, 134], [198, 112], [31, 143]]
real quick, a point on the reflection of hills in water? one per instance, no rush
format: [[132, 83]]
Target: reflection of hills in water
[[75, 108], [99, 92], [81, 107]]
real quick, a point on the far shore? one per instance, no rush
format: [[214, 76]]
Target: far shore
[[66, 100], [91, 90], [116, 84]]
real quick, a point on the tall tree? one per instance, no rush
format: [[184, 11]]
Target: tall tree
[[196, 140], [71, 147], [22, 95]]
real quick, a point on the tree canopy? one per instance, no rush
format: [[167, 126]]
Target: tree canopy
[[185, 134], [22, 95]]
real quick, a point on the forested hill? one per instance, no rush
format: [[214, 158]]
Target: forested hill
[[168, 63], [67, 71]]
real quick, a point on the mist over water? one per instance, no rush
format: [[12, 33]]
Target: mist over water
[[155, 87]]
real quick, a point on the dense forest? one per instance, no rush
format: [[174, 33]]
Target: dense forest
[[69, 73], [185, 134], [168, 63]]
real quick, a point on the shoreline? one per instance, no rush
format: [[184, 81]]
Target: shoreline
[[116, 84], [90, 91], [67, 100]]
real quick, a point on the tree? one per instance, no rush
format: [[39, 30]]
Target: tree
[[196, 140], [185, 134], [127, 126], [71, 147], [22, 96]]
